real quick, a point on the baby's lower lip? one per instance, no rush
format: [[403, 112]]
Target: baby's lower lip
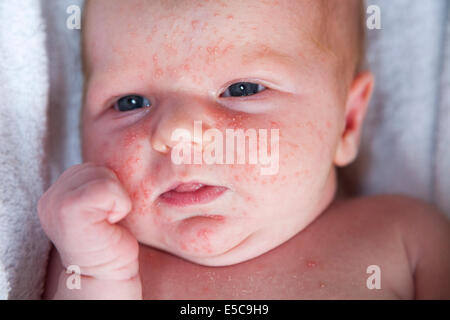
[[201, 194]]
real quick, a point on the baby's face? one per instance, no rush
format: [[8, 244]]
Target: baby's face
[[180, 61]]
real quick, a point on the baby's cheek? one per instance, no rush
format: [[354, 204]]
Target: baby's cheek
[[126, 159], [304, 154]]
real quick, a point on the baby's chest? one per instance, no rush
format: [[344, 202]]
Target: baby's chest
[[311, 280]]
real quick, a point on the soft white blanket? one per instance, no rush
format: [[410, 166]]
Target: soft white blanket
[[406, 139], [404, 146], [24, 84]]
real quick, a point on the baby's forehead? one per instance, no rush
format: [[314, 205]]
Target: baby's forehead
[[167, 9], [289, 24]]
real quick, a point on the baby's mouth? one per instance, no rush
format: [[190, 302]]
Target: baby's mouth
[[191, 193]]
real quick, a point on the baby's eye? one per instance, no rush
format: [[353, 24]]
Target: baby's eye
[[131, 102], [241, 89]]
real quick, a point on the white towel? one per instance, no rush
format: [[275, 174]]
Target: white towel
[[23, 169], [404, 145], [406, 134]]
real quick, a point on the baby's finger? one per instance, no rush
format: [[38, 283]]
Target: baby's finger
[[81, 174], [96, 201]]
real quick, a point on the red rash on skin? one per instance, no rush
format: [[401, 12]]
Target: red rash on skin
[[311, 264], [158, 71], [194, 24], [127, 167], [170, 51]]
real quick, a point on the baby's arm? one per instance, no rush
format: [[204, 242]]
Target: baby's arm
[[79, 214], [427, 238]]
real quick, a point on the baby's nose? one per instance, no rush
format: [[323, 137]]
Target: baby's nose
[[185, 115]]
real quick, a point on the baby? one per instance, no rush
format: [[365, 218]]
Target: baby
[[167, 77]]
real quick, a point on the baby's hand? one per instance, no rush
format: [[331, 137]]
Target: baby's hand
[[78, 213]]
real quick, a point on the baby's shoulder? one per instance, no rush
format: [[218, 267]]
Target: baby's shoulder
[[421, 228], [389, 210], [392, 223], [408, 239], [400, 225]]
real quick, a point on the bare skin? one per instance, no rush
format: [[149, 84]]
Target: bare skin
[[279, 236], [317, 263]]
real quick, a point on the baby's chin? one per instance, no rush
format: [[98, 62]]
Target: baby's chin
[[207, 241]]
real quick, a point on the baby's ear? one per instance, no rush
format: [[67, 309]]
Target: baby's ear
[[355, 110]]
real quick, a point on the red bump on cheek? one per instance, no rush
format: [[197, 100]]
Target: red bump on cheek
[[293, 145], [227, 48], [238, 121], [130, 138], [170, 51], [158, 73], [194, 24], [128, 165], [274, 125]]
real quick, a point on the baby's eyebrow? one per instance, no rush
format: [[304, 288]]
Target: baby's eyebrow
[[266, 52], [284, 63]]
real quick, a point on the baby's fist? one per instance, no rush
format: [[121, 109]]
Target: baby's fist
[[78, 213]]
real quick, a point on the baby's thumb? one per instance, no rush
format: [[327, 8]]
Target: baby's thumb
[[117, 213], [121, 207]]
